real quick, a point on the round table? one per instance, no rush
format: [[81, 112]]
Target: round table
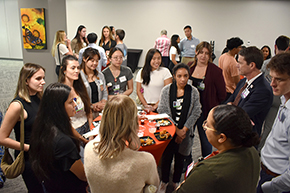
[[156, 149]]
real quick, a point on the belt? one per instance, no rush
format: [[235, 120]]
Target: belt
[[268, 171]]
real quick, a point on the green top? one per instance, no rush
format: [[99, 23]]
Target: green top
[[236, 170]]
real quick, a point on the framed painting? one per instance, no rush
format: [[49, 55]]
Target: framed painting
[[33, 28]]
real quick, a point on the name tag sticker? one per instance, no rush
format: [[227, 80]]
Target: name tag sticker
[[123, 79], [193, 46], [245, 93], [176, 104]]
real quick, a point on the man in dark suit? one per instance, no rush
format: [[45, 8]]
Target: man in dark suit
[[253, 93]]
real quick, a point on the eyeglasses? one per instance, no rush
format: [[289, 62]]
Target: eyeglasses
[[206, 127], [118, 58]]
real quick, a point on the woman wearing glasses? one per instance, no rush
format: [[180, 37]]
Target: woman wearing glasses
[[119, 79], [236, 167], [181, 102]]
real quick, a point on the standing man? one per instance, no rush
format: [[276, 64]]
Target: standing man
[[163, 45], [187, 46], [120, 34], [275, 173], [253, 93], [228, 64], [92, 39]]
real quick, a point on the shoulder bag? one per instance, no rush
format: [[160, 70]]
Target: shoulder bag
[[14, 169]]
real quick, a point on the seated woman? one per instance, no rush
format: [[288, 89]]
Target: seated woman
[[119, 78], [181, 102], [54, 150], [116, 165], [94, 81], [237, 165], [152, 78]]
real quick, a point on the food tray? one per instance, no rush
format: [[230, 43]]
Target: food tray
[[145, 138], [157, 135], [163, 122]]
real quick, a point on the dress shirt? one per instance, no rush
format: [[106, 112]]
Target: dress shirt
[[276, 151], [162, 44], [187, 47], [253, 79], [103, 59]]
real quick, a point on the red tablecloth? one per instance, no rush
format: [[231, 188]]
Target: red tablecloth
[[156, 149]]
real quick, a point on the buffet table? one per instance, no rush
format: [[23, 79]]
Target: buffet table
[[159, 146]]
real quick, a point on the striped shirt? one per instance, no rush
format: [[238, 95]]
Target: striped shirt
[[162, 44]]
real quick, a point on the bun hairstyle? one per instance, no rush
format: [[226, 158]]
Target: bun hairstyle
[[235, 123]]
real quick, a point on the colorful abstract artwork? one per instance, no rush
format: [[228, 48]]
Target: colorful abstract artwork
[[33, 28]]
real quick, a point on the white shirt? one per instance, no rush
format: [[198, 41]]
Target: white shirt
[[62, 51], [173, 50], [152, 91]]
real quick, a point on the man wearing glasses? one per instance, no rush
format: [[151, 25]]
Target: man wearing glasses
[[275, 173]]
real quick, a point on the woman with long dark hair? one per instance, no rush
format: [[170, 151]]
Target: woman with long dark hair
[[70, 75], [152, 78], [174, 52], [94, 80], [236, 167], [266, 52], [79, 41], [209, 81], [181, 102], [29, 92], [59, 167]]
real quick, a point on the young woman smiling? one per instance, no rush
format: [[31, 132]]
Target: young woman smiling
[[94, 81], [152, 78]]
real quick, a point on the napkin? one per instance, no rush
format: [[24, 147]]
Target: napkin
[[158, 116]]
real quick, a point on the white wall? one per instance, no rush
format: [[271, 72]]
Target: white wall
[[259, 22], [10, 38]]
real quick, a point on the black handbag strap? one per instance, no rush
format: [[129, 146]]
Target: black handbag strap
[[21, 126], [58, 54]]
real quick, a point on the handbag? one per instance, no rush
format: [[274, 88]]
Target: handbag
[[14, 169]]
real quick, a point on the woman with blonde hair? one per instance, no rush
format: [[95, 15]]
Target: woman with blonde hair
[[111, 163], [60, 48], [107, 40], [29, 92]]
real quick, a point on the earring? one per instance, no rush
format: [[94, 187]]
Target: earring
[[64, 73]]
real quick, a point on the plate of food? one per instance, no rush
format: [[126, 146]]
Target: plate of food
[[146, 141], [163, 135], [163, 122]]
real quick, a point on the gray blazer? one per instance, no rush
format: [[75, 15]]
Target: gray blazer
[[193, 114], [102, 94]]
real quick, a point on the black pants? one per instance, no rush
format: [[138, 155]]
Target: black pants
[[28, 176], [167, 157], [57, 70], [165, 60]]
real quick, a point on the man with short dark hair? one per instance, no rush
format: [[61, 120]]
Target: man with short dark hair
[[120, 35], [275, 163], [228, 64], [188, 45], [163, 45], [92, 39], [253, 93]]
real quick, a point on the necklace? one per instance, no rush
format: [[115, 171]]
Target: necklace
[[115, 74]]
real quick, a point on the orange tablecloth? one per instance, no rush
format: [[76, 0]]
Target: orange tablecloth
[[156, 149]]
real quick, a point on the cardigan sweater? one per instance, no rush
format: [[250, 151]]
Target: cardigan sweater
[[215, 88]]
